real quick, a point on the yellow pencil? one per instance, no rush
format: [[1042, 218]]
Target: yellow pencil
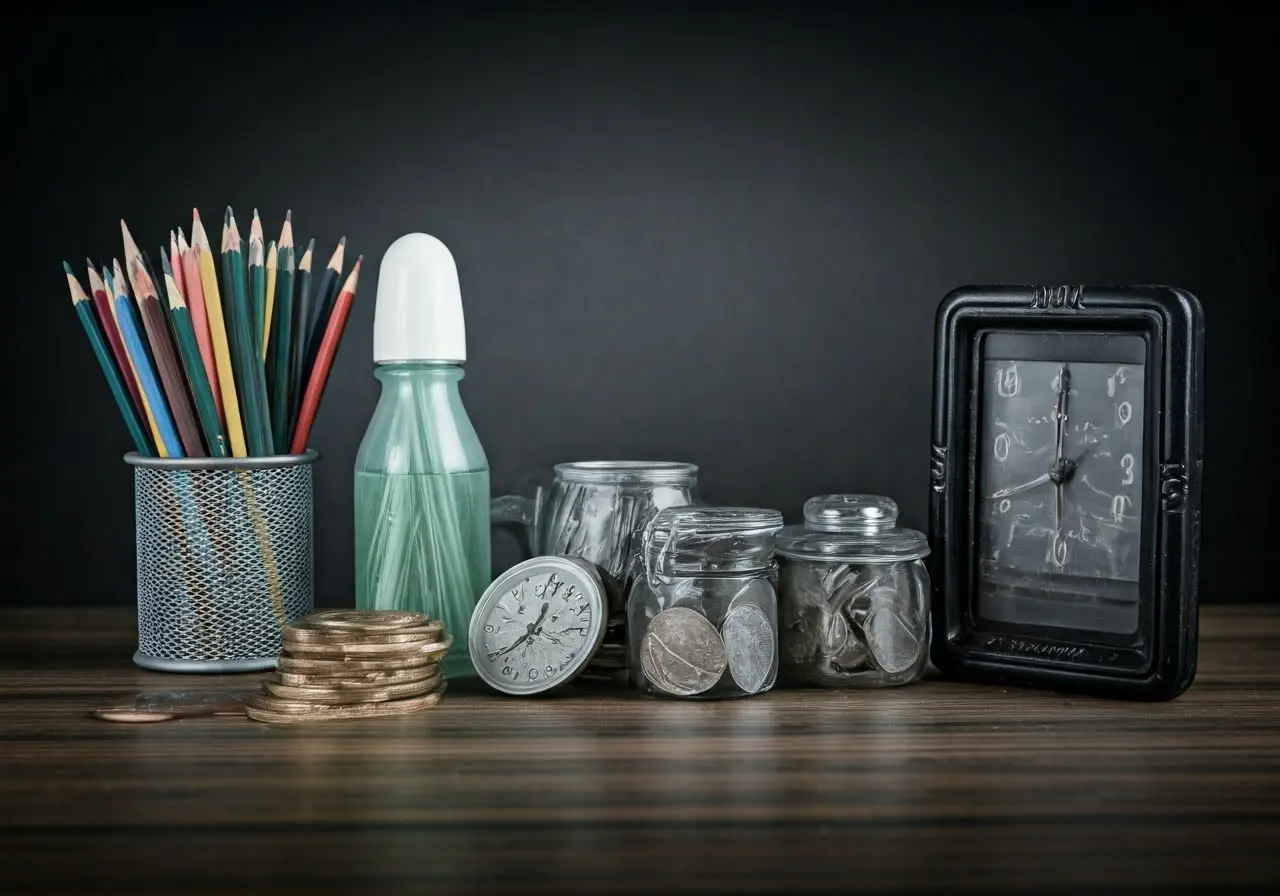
[[218, 333], [273, 262], [116, 286]]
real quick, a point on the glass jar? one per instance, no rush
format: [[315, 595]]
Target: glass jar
[[854, 595], [702, 612]]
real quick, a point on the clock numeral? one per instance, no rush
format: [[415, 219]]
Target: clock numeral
[[1119, 504], [1124, 413], [1007, 382], [533, 674], [1059, 550], [1004, 505], [1115, 379], [1001, 447], [1126, 464]]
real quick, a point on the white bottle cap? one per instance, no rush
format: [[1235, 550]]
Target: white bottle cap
[[418, 313]]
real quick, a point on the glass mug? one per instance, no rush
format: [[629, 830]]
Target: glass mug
[[597, 511]]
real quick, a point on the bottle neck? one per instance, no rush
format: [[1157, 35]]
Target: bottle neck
[[442, 372]]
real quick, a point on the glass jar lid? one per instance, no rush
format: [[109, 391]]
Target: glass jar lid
[[695, 539], [851, 529]]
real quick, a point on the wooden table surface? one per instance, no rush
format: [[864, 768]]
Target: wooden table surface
[[929, 786]]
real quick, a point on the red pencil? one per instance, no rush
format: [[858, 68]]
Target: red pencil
[[102, 305], [324, 360], [199, 317]]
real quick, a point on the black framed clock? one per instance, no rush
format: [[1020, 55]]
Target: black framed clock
[[1065, 504]]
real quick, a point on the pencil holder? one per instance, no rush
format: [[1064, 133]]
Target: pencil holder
[[225, 559]]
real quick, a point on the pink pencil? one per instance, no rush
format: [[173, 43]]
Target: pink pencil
[[199, 320], [102, 305], [175, 265]]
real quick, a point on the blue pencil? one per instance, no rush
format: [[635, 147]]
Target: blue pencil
[[146, 372]]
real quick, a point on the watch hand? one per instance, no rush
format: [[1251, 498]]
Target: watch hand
[[1013, 490], [533, 627], [1060, 427]]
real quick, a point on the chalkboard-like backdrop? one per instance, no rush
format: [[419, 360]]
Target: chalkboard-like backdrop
[[714, 233]]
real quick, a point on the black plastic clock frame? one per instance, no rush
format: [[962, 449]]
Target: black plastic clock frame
[[1173, 324]]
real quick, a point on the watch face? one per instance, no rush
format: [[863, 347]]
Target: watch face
[[1059, 466]]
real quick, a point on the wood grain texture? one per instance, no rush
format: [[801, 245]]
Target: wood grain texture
[[933, 786]]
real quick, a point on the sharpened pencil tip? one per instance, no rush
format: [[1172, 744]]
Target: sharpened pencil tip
[[288, 215], [311, 244], [66, 267], [342, 242], [164, 265], [195, 214]]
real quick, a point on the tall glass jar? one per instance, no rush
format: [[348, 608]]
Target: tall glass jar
[[702, 613], [854, 595]]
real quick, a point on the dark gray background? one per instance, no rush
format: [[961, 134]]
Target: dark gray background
[[703, 232]]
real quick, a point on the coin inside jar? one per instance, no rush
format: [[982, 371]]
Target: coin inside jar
[[750, 646], [893, 646], [681, 653]]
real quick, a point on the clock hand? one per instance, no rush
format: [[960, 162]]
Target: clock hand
[[1060, 427], [1013, 490], [529, 632]]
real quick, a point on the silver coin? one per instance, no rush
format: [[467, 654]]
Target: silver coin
[[894, 646], [681, 653], [750, 646]]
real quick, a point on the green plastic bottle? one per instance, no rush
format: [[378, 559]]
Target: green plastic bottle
[[422, 478]]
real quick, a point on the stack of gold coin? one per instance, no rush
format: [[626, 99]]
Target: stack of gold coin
[[354, 664]]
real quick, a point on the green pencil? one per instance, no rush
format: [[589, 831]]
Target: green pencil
[[280, 344], [193, 364], [326, 296], [257, 282], [84, 310], [244, 350]]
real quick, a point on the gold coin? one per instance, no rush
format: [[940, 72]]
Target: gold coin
[[365, 620], [353, 711], [375, 694], [130, 714], [310, 665], [424, 633], [322, 700], [346, 679], [332, 649]]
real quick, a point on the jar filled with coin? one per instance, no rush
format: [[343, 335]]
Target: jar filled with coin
[[853, 596], [702, 610]]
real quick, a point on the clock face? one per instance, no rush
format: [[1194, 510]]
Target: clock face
[[538, 625], [1060, 477]]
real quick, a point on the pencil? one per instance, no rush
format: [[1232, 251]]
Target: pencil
[[273, 270], [168, 367], [322, 306], [279, 356], [85, 311], [169, 443], [244, 348], [193, 364], [257, 285], [218, 335], [194, 294], [175, 264], [301, 317], [131, 311], [107, 320], [324, 361]]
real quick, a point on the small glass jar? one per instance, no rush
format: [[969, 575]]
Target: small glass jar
[[702, 614], [854, 595]]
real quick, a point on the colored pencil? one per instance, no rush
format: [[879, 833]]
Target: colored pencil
[[175, 264], [244, 347], [193, 364], [129, 309], [156, 323], [218, 335], [301, 318], [194, 294], [281, 344], [324, 361], [257, 284], [107, 320], [322, 306], [273, 266], [110, 369], [135, 343]]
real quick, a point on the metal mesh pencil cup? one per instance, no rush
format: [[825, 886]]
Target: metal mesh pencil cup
[[225, 559]]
